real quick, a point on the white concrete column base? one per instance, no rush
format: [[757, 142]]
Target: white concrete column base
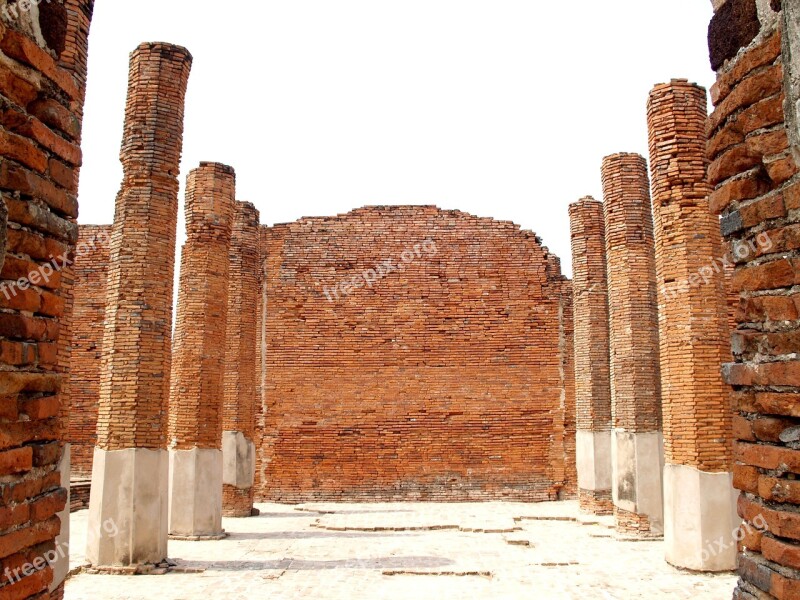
[[593, 458], [61, 562], [700, 519], [195, 494], [238, 460], [638, 463], [128, 508]]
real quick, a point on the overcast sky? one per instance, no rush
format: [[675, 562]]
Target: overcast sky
[[499, 108]]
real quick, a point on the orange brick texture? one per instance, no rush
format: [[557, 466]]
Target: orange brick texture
[[87, 316], [757, 194], [439, 380], [632, 297], [135, 369], [196, 397], [41, 98], [240, 395], [692, 301], [567, 323], [592, 368], [261, 362]]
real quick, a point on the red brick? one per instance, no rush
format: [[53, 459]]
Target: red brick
[[732, 162], [776, 274], [767, 457], [737, 190], [781, 168], [41, 408], [755, 87], [48, 505], [26, 50], [783, 553], [759, 56], [17, 460], [29, 536], [745, 478]]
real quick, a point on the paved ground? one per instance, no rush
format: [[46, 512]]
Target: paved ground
[[410, 551]]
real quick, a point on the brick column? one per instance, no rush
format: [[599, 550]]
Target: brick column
[[129, 475], [196, 394], [260, 483], [636, 441], [592, 388], [567, 342], [240, 399], [754, 148], [693, 329]]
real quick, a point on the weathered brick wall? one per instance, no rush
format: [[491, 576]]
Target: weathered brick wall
[[135, 366], [754, 151], [692, 301], [240, 378], [440, 380], [42, 79], [86, 342], [592, 370], [198, 358]]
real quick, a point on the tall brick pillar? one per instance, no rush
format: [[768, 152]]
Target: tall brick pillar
[[129, 475], [754, 149], [196, 395], [240, 399], [567, 342], [592, 388], [636, 441], [699, 506]]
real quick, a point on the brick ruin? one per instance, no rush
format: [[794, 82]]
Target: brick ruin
[[434, 342], [42, 84], [754, 154], [693, 333], [198, 355], [136, 353], [402, 353], [240, 395], [592, 369], [636, 439]]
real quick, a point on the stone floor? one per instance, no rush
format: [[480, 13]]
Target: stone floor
[[412, 551]]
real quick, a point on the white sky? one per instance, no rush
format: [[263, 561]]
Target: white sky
[[499, 108]]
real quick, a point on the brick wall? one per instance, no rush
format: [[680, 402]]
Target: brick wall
[[440, 380], [87, 319], [42, 81], [753, 148], [195, 412]]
